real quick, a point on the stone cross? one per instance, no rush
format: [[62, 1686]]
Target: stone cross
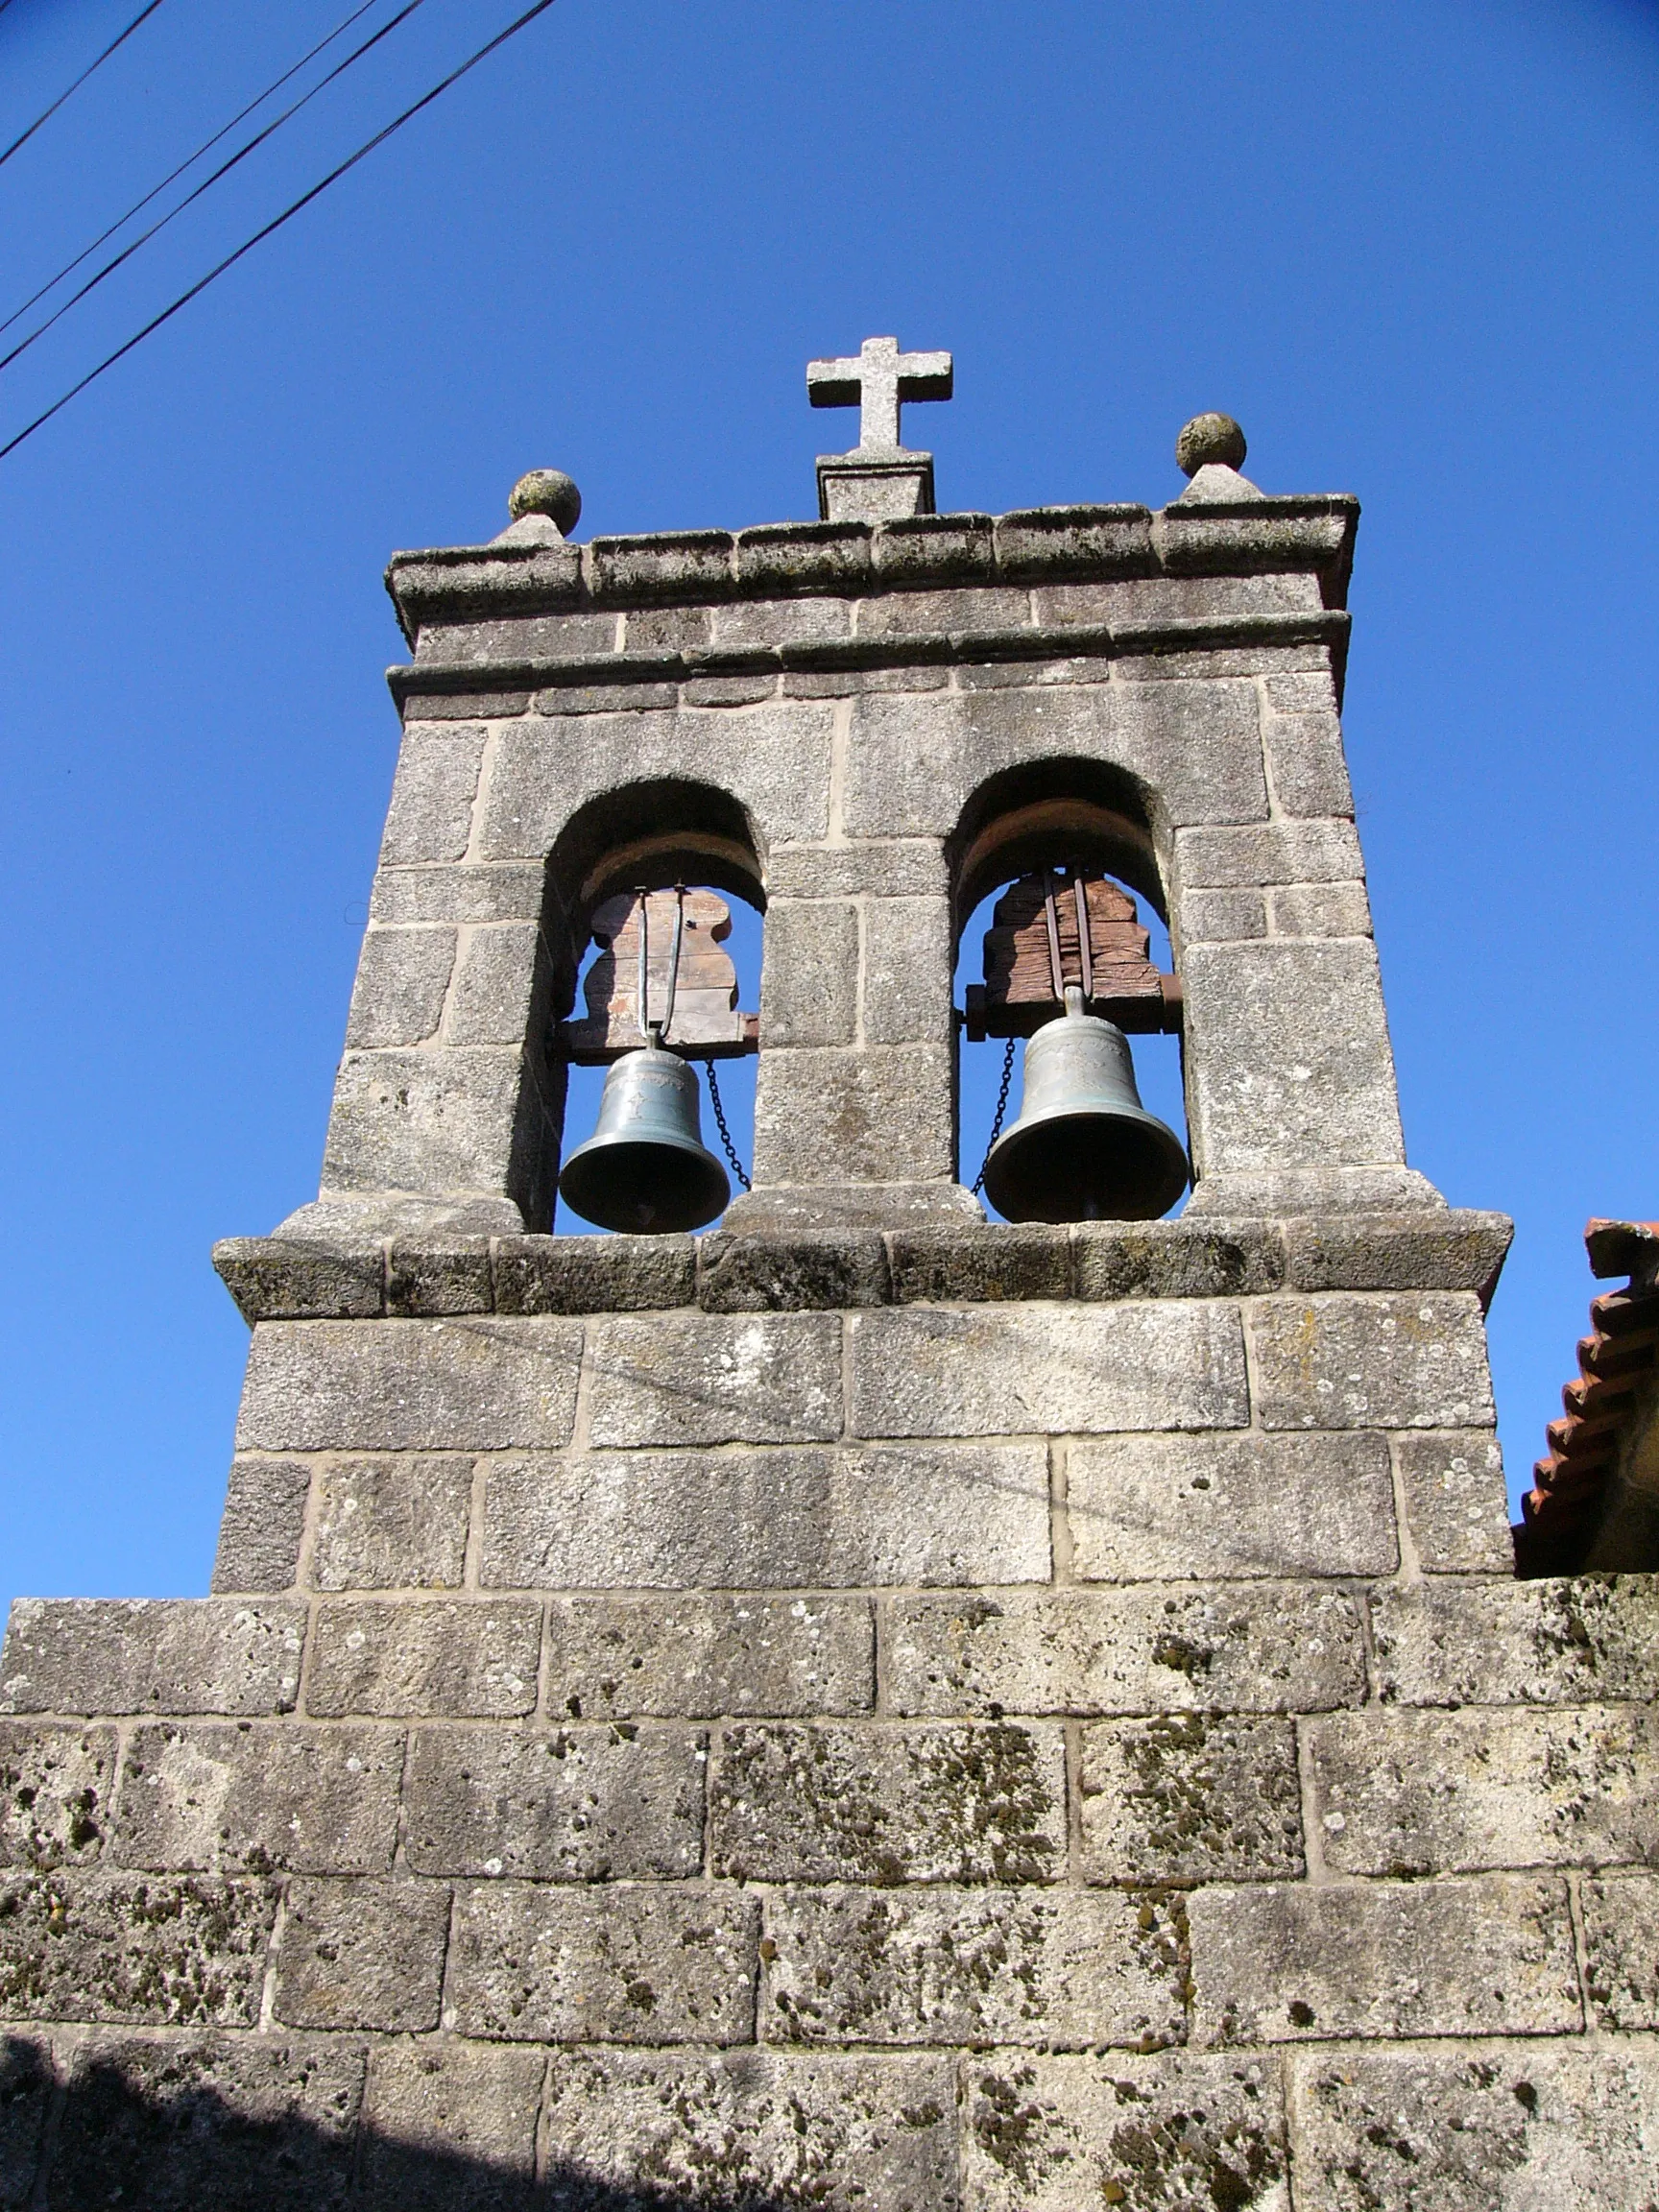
[[877, 382]]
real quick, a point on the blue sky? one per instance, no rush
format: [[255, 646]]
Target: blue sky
[[1412, 247]]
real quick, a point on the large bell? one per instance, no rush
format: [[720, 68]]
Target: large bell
[[1084, 1147], [646, 1168]]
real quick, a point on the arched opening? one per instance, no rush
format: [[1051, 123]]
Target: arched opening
[[665, 837], [1052, 862]]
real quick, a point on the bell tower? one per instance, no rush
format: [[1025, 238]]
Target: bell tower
[[866, 1706]]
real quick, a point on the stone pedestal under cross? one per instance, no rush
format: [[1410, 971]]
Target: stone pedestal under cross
[[879, 478]]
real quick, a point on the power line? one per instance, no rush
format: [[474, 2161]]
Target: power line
[[47, 115], [224, 169], [206, 147], [275, 223]]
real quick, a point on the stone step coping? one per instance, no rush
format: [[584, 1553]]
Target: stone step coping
[[1054, 643], [277, 1278], [787, 560]]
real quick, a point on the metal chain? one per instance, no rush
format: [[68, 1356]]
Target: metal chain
[[731, 1149], [1001, 1108]]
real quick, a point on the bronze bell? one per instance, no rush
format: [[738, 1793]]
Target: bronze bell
[[1084, 1147], [645, 1169]]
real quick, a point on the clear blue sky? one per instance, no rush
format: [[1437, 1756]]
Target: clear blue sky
[[1413, 247]]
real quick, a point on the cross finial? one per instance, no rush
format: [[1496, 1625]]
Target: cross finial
[[877, 381]]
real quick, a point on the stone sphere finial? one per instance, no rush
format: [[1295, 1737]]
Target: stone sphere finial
[[546, 492], [1210, 438]]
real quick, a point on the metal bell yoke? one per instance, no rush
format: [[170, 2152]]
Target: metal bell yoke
[[645, 1169]]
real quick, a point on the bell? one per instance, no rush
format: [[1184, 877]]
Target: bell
[[1084, 1147], [646, 1168]]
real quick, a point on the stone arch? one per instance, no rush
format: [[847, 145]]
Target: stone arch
[[1055, 809], [651, 833]]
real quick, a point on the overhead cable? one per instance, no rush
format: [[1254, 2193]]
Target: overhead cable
[[46, 114], [277, 222], [206, 185], [206, 147]]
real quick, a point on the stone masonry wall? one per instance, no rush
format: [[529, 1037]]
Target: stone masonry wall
[[866, 1710], [1057, 1727]]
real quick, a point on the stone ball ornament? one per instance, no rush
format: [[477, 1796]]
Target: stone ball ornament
[[546, 492], [1209, 438]]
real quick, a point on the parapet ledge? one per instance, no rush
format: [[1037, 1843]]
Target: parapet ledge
[[276, 1278], [923, 552]]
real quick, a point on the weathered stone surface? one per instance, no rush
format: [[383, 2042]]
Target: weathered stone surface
[[182, 1951], [469, 1656], [55, 1790], [1289, 1964], [151, 1655], [1289, 1056], [1222, 916], [1495, 2128], [403, 975], [1177, 2131], [313, 1800], [1147, 1648], [1064, 1969], [774, 759], [1190, 1797], [809, 978], [427, 1279], [838, 1803], [912, 764], [845, 2134], [1336, 1361], [919, 1373], [447, 2124], [907, 956], [494, 982], [413, 1120], [979, 1262], [362, 1955], [834, 1269], [303, 1279], [1264, 852], [1175, 1259], [1456, 1508], [459, 895], [697, 1656], [1305, 764], [796, 1210], [176, 2123], [768, 1519], [431, 812], [391, 1524], [410, 1385], [1143, 1506], [1622, 1950], [834, 1114], [883, 868], [649, 1965], [1413, 1793], [1319, 910], [263, 1526], [704, 1379], [1459, 1250], [1554, 1642], [593, 1274], [571, 1804], [27, 2085]]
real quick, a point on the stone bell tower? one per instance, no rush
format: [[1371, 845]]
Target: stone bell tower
[[867, 1708]]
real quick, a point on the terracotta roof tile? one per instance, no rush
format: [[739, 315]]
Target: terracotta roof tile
[[1559, 1512]]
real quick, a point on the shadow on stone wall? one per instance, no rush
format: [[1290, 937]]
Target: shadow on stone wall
[[147, 2126]]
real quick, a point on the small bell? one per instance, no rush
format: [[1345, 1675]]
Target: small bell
[[1084, 1147], [645, 1169]]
